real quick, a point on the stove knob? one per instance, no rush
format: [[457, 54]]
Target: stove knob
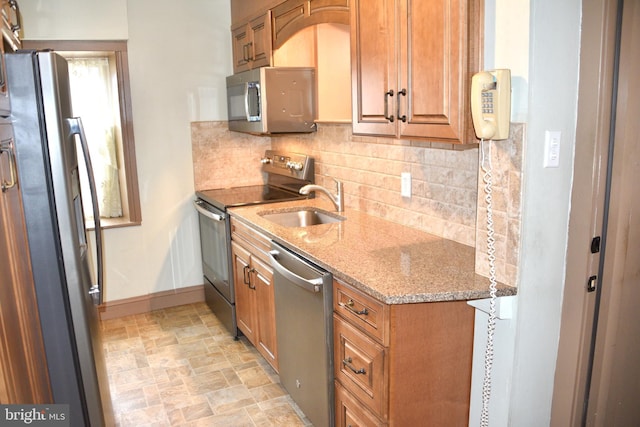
[[266, 160], [296, 166]]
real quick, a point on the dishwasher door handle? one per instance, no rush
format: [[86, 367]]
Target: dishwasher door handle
[[207, 213], [311, 285]]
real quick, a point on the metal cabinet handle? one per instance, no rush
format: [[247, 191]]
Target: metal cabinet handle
[[251, 285], [347, 362], [402, 92], [386, 106], [247, 52], [3, 83], [246, 276], [13, 4], [7, 147], [349, 306]]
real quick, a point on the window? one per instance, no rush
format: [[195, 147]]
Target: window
[[99, 79]]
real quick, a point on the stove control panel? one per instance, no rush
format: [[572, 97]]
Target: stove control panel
[[290, 164]]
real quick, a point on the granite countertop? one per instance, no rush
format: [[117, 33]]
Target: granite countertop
[[393, 263]]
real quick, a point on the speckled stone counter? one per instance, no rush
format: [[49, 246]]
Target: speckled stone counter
[[392, 263]]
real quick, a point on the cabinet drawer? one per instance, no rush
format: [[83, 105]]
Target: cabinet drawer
[[244, 233], [361, 366], [350, 412], [363, 311]]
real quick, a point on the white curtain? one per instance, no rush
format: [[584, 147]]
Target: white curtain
[[91, 95]]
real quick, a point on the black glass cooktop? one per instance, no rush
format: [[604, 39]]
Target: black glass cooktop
[[223, 198]]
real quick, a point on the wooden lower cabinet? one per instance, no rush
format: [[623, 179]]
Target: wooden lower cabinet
[[24, 377], [253, 285], [351, 413], [401, 365]]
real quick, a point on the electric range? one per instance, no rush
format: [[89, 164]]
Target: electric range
[[285, 174]]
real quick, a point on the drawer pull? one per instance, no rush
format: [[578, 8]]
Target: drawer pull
[[347, 362], [349, 306], [246, 273]]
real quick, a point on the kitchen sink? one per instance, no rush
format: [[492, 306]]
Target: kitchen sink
[[301, 217]]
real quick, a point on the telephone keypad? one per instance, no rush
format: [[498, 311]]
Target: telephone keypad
[[487, 102]]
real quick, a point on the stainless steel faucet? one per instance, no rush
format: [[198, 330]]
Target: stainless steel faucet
[[337, 199]]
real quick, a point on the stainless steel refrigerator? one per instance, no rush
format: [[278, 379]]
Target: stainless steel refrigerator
[[46, 139]]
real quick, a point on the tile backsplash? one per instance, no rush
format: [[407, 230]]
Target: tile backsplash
[[445, 180], [224, 159]]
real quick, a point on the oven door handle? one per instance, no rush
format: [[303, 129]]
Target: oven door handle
[[207, 213]]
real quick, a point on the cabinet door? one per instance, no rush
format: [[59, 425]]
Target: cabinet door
[[373, 67], [433, 68], [241, 43], [265, 304], [251, 44], [261, 50], [245, 294]]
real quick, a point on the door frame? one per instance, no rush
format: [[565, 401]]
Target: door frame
[[593, 133], [586, 217]]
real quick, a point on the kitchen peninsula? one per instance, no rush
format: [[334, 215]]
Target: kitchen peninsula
[[402, 331]]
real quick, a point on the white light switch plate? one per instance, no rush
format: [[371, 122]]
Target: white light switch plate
[[552, 148], [405, 184]]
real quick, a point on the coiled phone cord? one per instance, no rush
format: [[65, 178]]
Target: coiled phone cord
[[491, 324]]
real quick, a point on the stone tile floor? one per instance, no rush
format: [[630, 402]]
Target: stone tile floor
[[180, 367]]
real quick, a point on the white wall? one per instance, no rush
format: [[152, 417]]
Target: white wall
[[506, 39], [539, 42], [552, 105], [74, 19], [179, 55]]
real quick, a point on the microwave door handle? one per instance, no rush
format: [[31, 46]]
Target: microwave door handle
[[246, 101]]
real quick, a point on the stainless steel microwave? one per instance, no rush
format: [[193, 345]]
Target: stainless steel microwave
[[272, 100]]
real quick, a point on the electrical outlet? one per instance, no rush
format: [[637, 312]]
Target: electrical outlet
[[552, 148], [405, 184]]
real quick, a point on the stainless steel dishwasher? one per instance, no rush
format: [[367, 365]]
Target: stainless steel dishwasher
[[303, 300]]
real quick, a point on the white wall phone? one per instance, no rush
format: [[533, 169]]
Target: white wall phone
[[491, 112], [491, 104]]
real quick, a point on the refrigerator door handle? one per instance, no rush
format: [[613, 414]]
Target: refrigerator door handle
[[76, 128]]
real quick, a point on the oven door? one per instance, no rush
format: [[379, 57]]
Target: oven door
[[215, 238]]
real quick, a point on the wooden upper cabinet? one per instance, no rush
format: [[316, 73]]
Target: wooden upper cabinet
[[374, 70], [252, 44], [293, 15], [243, 10], [11, 24], [255, 39], [412, 64]]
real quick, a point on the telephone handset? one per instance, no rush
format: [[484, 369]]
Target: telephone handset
[[491, 104]]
